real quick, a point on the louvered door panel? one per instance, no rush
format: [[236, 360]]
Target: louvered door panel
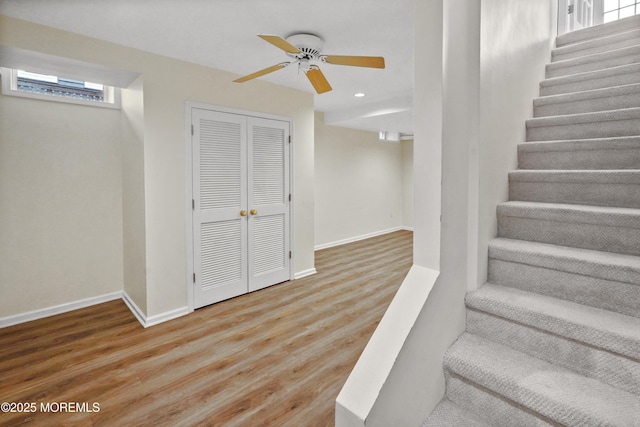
[[268, 244], [268, 166], [220, 189], [220, 161], [269, 199], [221, 248]]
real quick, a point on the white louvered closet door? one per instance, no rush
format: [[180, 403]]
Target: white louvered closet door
[[241, 204], [220, 195], [268, 155]]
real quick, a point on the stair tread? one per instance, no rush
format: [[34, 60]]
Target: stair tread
[[598, 116], [606, 215], [596, 42], [554, 392], [595, 57], [617, 333], [614, 143], [591, 75], [587, 94], [600, 176], [604, 265], [448, 414], [598, 31]]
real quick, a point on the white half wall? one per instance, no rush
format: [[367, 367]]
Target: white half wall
[[478, 65]]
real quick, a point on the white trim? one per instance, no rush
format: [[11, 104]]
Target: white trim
[[304, 273], [361, 237], [221, 108], [88, 302], [135, 310], [188, 167], [57, 309], [147, 322], [166, 316]]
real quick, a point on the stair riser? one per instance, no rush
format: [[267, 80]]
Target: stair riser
[[495, 409], [623, 298], [618, 42], [619, 76], [561, 69], [584, 193], [595, 363], [619, 240], [580, 159], [534, 385], [583, 130], [628, 100], [571, 86]]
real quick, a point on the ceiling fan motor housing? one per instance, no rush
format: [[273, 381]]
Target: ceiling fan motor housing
[[309, 44]]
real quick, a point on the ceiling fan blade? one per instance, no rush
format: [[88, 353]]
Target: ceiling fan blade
[[261, 72], [279, 42], [317, 79], [355, 61]]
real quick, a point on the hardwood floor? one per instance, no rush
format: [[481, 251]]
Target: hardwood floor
[[275, 357]]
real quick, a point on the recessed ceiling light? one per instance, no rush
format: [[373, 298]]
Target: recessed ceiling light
[[359, 94]]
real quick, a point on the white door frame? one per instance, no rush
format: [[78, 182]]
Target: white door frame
[[189, 106]]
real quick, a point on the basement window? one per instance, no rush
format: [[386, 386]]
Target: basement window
[[54, 88]]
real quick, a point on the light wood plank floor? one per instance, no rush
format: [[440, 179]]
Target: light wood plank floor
[[276, 357]]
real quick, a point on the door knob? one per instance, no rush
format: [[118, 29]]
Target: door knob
[[243, 213], [254, 212]]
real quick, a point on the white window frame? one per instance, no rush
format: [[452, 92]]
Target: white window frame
[[10, 88]]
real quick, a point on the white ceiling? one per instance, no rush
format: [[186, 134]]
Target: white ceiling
[[222, 34]]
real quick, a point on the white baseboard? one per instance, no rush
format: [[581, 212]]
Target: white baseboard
[[135, 310], [152, 320], [304, 273], [57, 309], [358, 238], [88, 302], [166, 316]]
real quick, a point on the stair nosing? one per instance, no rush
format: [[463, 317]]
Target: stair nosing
[[563, 318], [465, 360], [577, 176], [575, 213], [607, 265], [591, 75], [593, 32], [594, 57], [585, 144], [580, 118], [586, 95], [595, 42]]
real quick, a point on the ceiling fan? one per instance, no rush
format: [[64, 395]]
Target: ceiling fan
[[305, 48]]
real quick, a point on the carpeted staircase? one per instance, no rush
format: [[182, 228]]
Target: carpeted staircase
[[553, 337]]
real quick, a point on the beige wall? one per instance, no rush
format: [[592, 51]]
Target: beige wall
[[133, 197], [167, 85], [60, 203], [360, 183]]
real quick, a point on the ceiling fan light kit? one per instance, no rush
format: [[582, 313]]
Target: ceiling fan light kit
[[303, 49]]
